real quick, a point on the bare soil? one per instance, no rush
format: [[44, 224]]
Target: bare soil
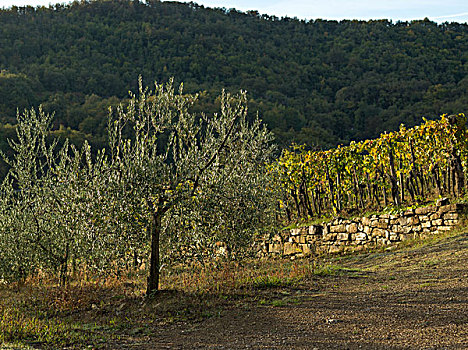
[[411, 298]]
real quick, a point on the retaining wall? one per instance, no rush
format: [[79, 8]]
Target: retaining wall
[[342, 235]]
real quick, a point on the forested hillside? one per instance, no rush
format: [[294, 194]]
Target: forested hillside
[[316, 82]]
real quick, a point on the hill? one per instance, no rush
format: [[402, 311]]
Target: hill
[[316, 82]]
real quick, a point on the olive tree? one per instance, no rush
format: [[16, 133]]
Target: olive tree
[[52, 203], [194, 179]]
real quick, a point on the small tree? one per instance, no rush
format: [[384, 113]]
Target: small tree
[[52, 203], [193, 178]]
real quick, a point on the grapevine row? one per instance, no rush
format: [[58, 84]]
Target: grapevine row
[[401, 167]]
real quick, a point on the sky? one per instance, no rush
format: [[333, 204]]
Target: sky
[[396, 10]]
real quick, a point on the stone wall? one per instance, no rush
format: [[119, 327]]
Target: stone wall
[[342, 235]]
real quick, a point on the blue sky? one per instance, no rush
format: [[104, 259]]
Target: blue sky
[[436, 10]]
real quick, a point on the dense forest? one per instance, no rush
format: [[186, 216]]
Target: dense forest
[[316, 82]]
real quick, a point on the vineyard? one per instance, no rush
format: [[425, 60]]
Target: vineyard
[[404, 167]]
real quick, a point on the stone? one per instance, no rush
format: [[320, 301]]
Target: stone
[[360, 236], [451, 222], [417, 228], [367, 230], [291, 248], [306, 249], [408, 212], [404, 220], [424, 218], [379, 232], [413, 220], [451, 216], [342, 236], [437, 222], [426, 224], [435, 216], [393, 237], [382, 223], [329, 237], [296, 231], [444, 228], [366, 221], [315, 230], [338, 228], [445, 208], [275, 248], [334, 249], [352, 228], [425, 210]]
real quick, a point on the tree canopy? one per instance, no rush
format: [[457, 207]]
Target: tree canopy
[[317, 82]]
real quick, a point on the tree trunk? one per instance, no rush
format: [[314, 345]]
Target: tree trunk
[[153, 278]]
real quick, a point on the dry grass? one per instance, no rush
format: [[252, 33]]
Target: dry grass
[[38, 312]]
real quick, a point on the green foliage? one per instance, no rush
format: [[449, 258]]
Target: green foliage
[[316, 82], [197, 179], [190, 180]]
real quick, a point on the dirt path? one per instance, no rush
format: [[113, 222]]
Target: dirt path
[[409, 299]]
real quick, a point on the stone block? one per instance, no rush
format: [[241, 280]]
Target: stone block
[[414, 220], [451, 216], [394, 237], [275, 248], [315, 230], [404, 220], [306, 249], [435, 216], [444, 228], [408, 212], [352, 228], [451, 222], [338, 228], [360, 236], [291, 248], [366, 221], [381, 225], [367, 230], [379, 232], [296, 231], [342, 236], [416, 228], [423, 218], [425, 210], [426, 224], [329, 237], [437, 222]]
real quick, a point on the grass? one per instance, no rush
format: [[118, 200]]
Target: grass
[[16, 326], [40, 314]]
